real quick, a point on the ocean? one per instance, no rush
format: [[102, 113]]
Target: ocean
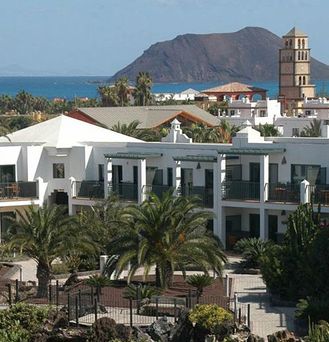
[[86, 86]]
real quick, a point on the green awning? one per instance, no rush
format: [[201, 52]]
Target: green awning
[[132, 155], [251, 151], [196, 158]]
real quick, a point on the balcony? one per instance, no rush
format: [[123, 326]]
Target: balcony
[[286, 193], [205, 195], [158, 190], [18, 190], [320, 194], [241, 190], [89, 189], [126, 191]]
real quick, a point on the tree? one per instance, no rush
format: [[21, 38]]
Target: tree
[[109, 96], [122, 89], [24, 102], [45, 234], [314, 130], [268, 130], [226, 131], [199, 281], [143, 94], [132, 130], [169, 233]]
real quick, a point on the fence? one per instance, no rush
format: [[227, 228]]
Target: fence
[[85, 304]]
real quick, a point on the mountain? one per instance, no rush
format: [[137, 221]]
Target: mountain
[[248, 55]]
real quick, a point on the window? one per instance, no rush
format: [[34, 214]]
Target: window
[[262, 113], [273, 173], [315, 174], [308, 112], [7, 173], [169, 176], [295, 132], [232, 112], [233, 172], [58, 170]]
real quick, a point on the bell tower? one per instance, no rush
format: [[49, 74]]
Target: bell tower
[[294, 71]]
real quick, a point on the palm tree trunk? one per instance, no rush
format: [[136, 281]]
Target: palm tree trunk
[[43, 275], [157, 276], [169, 276]]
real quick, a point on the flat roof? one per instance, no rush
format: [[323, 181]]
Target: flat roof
[[132, 155]]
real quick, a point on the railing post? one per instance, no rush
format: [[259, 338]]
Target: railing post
[[131, 312], [157, 308], [9, 295], [304, 192], [95, 308], [248, 315], [91, 295], [235, 305], [77, 311], [68, 308], [175, 309], [49, 294], [17, 291], [79, 294], [57, 294]]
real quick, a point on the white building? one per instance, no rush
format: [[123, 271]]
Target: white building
[[186, 95], [251, 185]]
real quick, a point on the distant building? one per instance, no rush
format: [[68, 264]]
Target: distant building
[[186, 95], [294, 72], [148, 116], [236, 91]]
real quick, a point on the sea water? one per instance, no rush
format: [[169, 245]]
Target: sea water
[[86, 86]]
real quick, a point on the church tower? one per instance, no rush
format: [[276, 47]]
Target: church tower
[[294, 69]]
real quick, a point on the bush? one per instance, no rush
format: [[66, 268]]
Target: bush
[[98, 281], [318, 332], [60, 268], [199, 281], [143, 291], [210, 316], [21, 322], [315, 309]]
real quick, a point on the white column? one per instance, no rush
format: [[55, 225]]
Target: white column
[[264, 178], [219, 210], [305, 192], [41, 189], [72, 193], [141, 180], [263, 218], [177, 175], [102, 262], [108, 176]]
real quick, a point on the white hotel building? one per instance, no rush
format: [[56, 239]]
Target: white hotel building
[[250, 185]]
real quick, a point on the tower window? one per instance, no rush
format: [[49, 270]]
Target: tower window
[[304, 80], [302, 55], [300, 80], [303, 43], [305, 56], [290, 42], [299, 55], [298, 43]]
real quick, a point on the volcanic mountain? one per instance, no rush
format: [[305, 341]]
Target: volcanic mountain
[[248, 55]]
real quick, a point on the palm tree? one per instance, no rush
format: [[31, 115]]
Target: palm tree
[[143, 89], [226, 131], [314, 130], [199, 281], [132, 130], [268, 130], [169, 233], [109, 96], [122, 88], [45, 234]]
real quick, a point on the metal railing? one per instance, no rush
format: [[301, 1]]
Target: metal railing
[[158, 190], [89, 189], [205, 195], [241, 190], [13, 190], [280, 192], [126, 191], [319, 194]]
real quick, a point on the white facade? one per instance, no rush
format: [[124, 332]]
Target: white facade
[[186, 95], [250, 185]]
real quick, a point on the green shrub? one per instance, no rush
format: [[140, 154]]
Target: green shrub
[[98, 281], [318, 332], [60, 268], [209, 316], [143, 291], [21, 322], [199, 281], [315, 309]]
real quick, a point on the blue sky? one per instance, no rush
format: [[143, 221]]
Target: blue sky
[[99, 37]]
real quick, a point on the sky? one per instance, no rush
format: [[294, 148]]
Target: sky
[[99, 37]]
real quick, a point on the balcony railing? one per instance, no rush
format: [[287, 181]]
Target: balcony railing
[[126, 191], [205, 195], [17, 190], [320, 194], [280, 192], [90, 189], [158, 190], [241, 190]]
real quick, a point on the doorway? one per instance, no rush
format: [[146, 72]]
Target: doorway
[[273, 227], [254, 225], [59, 198]]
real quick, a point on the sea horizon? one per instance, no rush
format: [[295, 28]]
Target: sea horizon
[[69, 87]]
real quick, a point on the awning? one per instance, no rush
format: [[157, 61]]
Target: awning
[[196, 158], [251, 151], [132, 155]]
